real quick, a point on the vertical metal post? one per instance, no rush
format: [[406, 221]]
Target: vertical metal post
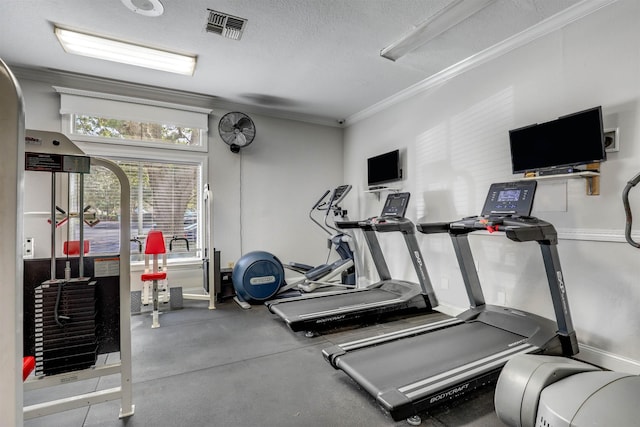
[[81, 225], [53, 225], [208, 243], [419, 266], [559, 298], [468, 269], [376, 254], [140, 213], [127, 407]]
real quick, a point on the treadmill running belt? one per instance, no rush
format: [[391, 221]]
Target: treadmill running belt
[[316, 307], [407, 370]]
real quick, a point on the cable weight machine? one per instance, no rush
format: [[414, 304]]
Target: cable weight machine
[[67, 307]]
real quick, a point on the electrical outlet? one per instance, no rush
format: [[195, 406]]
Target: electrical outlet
[[28, 247], [611, 143]]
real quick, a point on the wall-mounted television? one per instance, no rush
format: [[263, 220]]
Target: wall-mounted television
[[384, 168], [565, 143]]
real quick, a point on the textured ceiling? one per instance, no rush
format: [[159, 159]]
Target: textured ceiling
[[318, 58]]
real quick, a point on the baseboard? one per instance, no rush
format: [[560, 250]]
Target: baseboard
[[608, 360], [449, 310]]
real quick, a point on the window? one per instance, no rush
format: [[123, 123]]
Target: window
[[165, 185], [116, 119], [128, 130], [164, 196]]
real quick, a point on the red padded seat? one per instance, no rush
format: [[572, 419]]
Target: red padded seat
[[161, 275], [155, 243], [73, 247]]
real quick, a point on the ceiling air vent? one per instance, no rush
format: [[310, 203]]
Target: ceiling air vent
[[225, 25]]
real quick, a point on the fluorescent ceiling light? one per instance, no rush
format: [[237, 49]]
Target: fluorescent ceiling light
[[126, 53], [449, 16]]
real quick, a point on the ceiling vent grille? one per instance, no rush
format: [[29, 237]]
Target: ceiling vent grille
[[225, 25]]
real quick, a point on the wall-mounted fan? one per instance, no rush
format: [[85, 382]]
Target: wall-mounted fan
[[236, 130]]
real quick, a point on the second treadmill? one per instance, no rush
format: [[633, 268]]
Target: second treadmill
[[324, 310], [412, 370]]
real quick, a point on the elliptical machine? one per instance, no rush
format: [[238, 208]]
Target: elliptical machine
[[260, 275], [535, 390]]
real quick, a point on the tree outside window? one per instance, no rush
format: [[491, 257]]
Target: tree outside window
[[164, 195]]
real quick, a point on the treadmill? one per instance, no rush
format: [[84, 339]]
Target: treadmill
[[325, 310], [415, 369]]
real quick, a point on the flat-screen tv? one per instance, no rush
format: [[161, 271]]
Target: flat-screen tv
[[384, 168], [567, 142]]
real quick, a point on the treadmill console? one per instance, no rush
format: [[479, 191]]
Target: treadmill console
[[510, 199], [396, 205]]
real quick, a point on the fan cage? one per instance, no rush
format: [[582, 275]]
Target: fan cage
[[227, 130]]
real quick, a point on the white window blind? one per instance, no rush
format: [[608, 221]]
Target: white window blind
[[164, 196]]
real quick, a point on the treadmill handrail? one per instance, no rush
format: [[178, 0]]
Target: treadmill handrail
[[353, 224], [518, 229], [389, 224], [433, 227], [381, 224]]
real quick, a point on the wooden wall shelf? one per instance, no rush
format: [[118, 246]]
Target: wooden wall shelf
[[592, 178]]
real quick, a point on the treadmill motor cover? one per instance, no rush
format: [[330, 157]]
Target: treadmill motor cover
[[592, 399]]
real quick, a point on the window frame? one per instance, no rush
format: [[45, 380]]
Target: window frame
[[147, 151], [110, 153]]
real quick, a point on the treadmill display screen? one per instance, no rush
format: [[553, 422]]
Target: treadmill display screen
[[396, 205], [509, 196]]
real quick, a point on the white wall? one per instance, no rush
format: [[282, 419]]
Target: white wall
[[455, 142], [264, 193], [261, 197]]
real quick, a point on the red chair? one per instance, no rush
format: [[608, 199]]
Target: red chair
[[155, 288]]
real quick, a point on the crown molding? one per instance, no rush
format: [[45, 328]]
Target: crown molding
[[119, 88], [547, 26]]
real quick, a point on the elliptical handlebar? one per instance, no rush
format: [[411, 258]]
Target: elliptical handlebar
[[319, 202], [627, 209], [318, 205]]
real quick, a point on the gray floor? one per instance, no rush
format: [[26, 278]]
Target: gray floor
[[234, 367]]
